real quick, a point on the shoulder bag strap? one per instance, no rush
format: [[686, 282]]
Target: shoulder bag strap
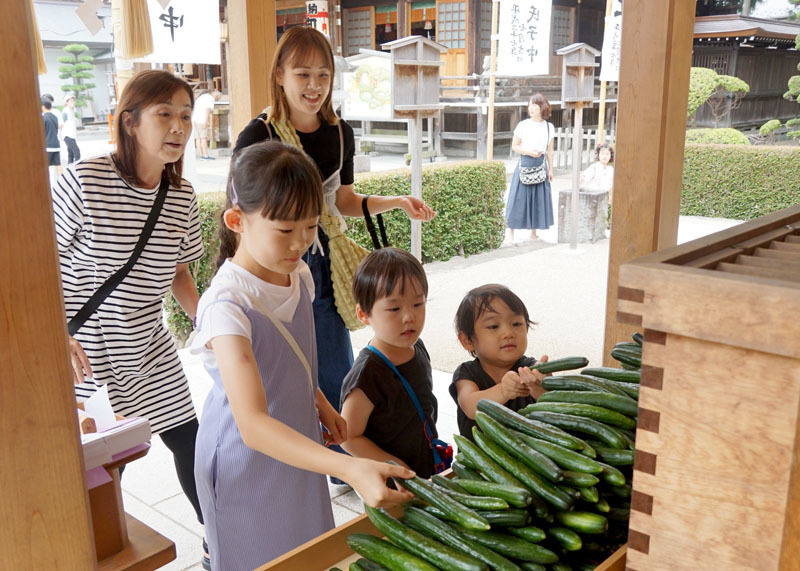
[[116, 278], [371, 226], [292, 343]]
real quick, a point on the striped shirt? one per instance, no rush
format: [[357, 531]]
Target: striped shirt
[[98, 218]]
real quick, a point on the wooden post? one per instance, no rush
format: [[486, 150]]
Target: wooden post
[[577, 151], [601, 115], [45, 511], [415, 125], [252, 38], [651, 125], [492, 82]]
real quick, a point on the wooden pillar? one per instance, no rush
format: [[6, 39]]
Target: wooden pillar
[[252, 37], [403, 19], [44, 510], [474, 63], [651, 123]]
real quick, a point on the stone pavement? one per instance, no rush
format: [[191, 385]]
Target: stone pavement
[[564, 291]]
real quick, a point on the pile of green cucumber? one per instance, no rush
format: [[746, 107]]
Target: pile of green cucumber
[[545, 488]]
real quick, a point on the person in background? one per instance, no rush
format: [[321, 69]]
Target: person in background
[[201, 120], [100, 207], [52, 143], [300, 113], [600, 174], [70, 129], [492, 324], [383, 423], [530, 206], [260, 460]]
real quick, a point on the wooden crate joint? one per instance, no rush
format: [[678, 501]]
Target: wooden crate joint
[[652, 377], [649, 420], [645, 462], [641, 502], [638, 541]]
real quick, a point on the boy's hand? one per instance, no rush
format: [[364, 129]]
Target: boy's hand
[[335, 425], [532, 379], [512, 385], [369, 480]]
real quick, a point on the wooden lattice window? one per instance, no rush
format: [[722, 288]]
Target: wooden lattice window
[[359, 30], [451, 24], [562, 28], [486, 25]]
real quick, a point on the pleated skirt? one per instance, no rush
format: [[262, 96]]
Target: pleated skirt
[[530, 206]]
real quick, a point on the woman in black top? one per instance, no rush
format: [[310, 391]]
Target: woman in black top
[[301, 113]]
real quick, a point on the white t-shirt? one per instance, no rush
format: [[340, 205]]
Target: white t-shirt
[[201, 107], [598, 177], [70, 128], [535, 134], [233, 283]]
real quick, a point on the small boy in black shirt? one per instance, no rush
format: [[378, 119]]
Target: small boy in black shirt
[[492, 324], [383, 423], [52, 144]]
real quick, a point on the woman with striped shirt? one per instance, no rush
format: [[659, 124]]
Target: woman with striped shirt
[[100, 206]]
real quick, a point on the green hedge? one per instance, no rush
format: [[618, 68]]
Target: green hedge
[[467, 197], [721, 136], [739, 182]]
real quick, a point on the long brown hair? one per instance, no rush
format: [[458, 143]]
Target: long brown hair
[[297, 46], [275, 179], [149, 87]]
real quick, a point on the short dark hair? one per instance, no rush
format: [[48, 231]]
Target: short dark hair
[[602, 146], [543, 104], [47, 103], [381, 271], [479, 300]]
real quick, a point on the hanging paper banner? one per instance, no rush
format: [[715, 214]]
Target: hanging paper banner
[[185, 31], [612, 43], [523, 47], [317, 15]]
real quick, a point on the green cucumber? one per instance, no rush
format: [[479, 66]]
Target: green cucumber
[[613, 374], [580, 479], [582, 424], [538, 485], [477, 502], [527, 426], [448, 483], [615, 457], [638, 338], [580, 383], [414, 542], [623, 491], [507, 440], [466, 473], [493, 471], [516, 496], [566, 538], [629, 389], [560, 567], [602, 505], [589, 494], [621, 404], [583, 522], [506, 518], [564, 457], [630, 346], [528, 566], [429, 525], [461, 457], [598, 413], [367, 565], [529, 533], [511, 546], [356, 566], [424, 490], [620, 514], [386, 554], [563, 364], [627, 357], [612, 475]]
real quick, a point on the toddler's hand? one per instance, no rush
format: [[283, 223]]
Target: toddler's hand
[[335, 425], [369, 480], [512, 386], [532, 379]]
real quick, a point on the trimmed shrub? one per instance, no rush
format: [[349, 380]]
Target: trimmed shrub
[[770, 126], [739, 182], [467, 197], [724, 136], [702, 83]]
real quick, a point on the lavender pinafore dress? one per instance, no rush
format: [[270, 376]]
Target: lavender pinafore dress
[[255, 507]]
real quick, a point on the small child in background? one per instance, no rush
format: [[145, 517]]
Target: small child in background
[[383, 422], [51, 141], [600, 174], [492, 324], [259, 460]]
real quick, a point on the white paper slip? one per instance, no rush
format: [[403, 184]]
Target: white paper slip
[[99, 408]]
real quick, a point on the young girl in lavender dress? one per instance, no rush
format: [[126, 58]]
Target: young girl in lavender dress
[[260, 459]]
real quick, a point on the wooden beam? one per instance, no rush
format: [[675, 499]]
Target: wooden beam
[[653, 98], [45, 510], [252, 37]]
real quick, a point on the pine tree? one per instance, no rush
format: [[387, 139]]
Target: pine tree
[[77, 67]]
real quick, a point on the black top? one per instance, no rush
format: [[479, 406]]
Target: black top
[[472, 371], [394, 424], [51, 131], [322, 145]]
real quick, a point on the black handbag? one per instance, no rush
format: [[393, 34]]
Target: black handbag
[[116, 278]]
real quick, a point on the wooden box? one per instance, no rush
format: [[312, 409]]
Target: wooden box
[[715, 481]]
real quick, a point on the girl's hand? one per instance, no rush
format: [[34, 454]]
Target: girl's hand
[[335, 425], [512, 385], [369, 480], [416, 209], [534, 154], [532, 379], [80, 362], [549, 175]]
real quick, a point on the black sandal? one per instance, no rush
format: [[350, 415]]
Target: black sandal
[[206, 560]]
